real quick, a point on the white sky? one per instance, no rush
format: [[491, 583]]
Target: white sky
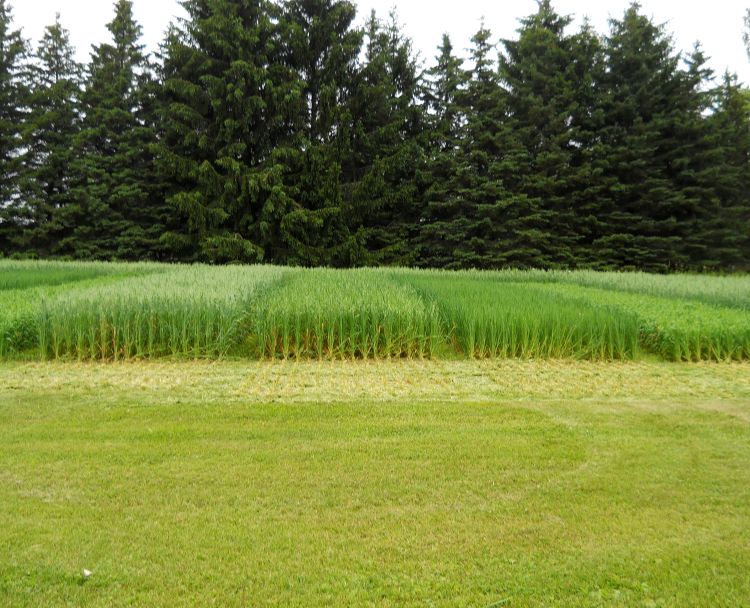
[[718, 24]]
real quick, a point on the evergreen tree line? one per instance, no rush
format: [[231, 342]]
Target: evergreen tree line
[[279, 131]]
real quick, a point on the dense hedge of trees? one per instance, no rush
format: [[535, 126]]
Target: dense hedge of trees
[[280, 131]]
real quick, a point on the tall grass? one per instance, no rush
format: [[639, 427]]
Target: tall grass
[[730, 291], [677, 330], [488, 319], [330, 314], [197, 311], [24, 274], [20, 311], [17, 320], [121, 311]]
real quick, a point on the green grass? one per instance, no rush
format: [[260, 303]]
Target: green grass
[[731, 291], [25, 274], [120, 311], [449, 484], [22, 311], [195, 312], [676, 330], [420, 438], [484, 318], [331, 314]]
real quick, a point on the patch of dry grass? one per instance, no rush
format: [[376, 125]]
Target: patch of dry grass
[[345, 381]]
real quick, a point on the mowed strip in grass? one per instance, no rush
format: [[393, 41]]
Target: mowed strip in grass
[[510, 483], [268, 312]]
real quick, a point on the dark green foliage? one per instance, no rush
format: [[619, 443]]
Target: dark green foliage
[[52, 209], [123, 197], [279, 131], [726, 225], [440, 233], [323, 50], [647, 106], [696, 167], [551, 79], [323, 47], [483, 211], [13, 94], [588, 179], [467, 215], [231, 109], [384, 155]]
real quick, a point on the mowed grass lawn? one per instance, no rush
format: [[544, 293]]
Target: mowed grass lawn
[[463, 483]]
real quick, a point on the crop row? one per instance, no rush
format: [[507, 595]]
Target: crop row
[[119, 312]]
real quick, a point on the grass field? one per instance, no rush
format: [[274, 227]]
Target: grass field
[[118, 312], [402, 483], [261, 436]]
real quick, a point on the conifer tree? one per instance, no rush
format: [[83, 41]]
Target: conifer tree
[[491, 222], [644, 104], [725, 229], [323, 48], [537, 71], [124, 199], [13, 94], [278, 131], [550, 78], [231, 109], [48, 184], [442, 97], [382, 188], [695, 165], [589, 180]]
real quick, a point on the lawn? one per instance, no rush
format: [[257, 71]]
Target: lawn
[[355, 483]]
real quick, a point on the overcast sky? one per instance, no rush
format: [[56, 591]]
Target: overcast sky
[[718, 24]]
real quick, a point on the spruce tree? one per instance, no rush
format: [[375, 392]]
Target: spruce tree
[[13, 94], [726, 225], [231, 108], [539, 75], [52, 207], [493, 224], [124, 199], [552, 82], [381, 170], [644, 104], [324, 46], [323, 49], [589, 181], [442, 97], [695, 165]]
